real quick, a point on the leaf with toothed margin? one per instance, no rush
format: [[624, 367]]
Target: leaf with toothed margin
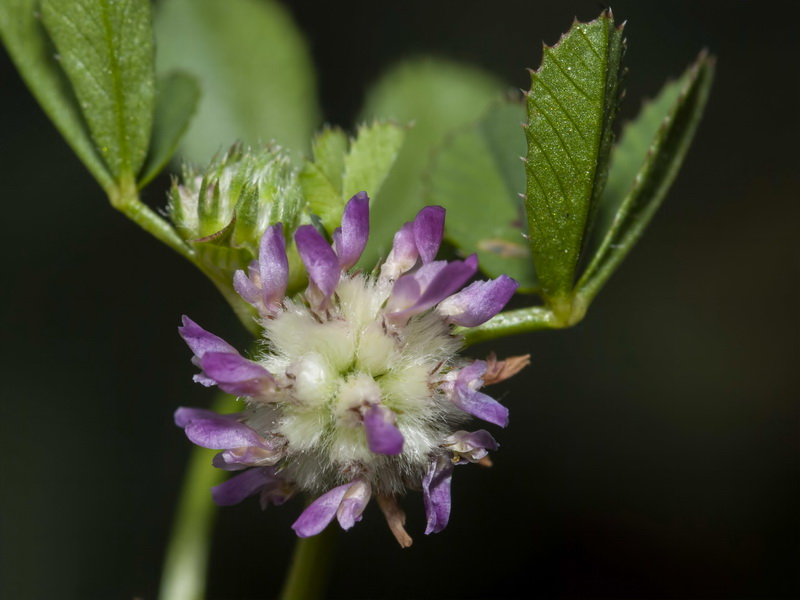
[[107, 51], [477, 176], [341, 168], [644, 164], [571, 106]]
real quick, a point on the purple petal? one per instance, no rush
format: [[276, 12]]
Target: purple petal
[[479, 301], [268, 276], [472, 373], [470, 447], [479, 405], [447, 280], [428, 231], [405, 292], [353, 504], [320, 261], [480, 439], [319, 513], [436, 493], [403, 255], [236, 375], [383, 436], [273, 264], [237, 488], [184, 414], [245, 287], [201, 341], [350, 239], [222, 434]]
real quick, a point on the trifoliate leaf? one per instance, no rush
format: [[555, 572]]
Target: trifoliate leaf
[[27, 44], [571, 106], [478, 176], [436, 97], [341, 168], [106, 49], [653, 148]]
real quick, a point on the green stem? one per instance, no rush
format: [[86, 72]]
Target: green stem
[[125, 198], [311, 563], [512, 322], [186, 560]]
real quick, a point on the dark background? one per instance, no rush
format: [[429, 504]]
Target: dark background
[[653, 449]]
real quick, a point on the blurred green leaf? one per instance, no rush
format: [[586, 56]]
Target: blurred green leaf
[[342, 168], [669, 123], [177, 95], [477, 176], [27, 44], [437, 97], [254, 67], [571, 106], [106, 50]]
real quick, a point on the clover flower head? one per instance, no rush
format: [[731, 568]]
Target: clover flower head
[[359, 391]]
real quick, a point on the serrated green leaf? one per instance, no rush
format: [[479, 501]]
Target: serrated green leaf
[[658, 165], [329, 149], [106, 49], [339, 172], [176, 101], [254, 68], [437, 97], [324, 200], [27, 44], [571, 106], [372, 153], [477, 176]]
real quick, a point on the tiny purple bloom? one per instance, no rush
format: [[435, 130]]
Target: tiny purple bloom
[[359, 379], [350, 239], [320, 261], [436, 493], [320, 513], [428, 231], [383, 436], [268, 276], [236, 375], [467, 397], [479, 301], [404, 254], [253, 481], [470, 446]]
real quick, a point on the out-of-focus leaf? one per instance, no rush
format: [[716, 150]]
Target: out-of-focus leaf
[[106, 49], [254, 68], [437, 97], [27, 44], [658, 164], [341, 168], [478, 176], [176, 100], [571, 106]]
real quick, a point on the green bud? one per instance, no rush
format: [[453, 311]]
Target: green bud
[[223, 212]]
